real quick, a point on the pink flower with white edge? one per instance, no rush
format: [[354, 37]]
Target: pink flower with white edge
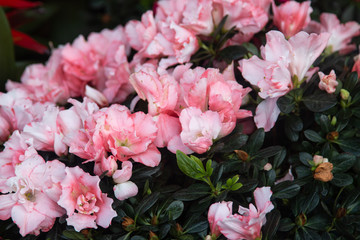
[[341, 34], [86, 206], [249, 17], [247, 224], [35, 189], [199, 129], [161, 91], [198, 16], [328, 83], [291, 17], [218, 212], [284, 66], [129, 135], [124, 188]]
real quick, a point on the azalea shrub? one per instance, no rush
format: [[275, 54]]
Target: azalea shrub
[[202, 119]]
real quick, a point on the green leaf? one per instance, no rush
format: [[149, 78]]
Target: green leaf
[[313, 136], [7, 57], [193, 192], [279, 158], [236, 186], [351, 81], [190, 166], [251, 48], [286, 225], [286, 103], [351, 145], [285, 189], [324, 123], [219, 27], [147, 203], [232, 53], [209, 169], [256, 141], [197, 227], [137, 237], [230, 143], [175, 210], [73, 235], [343, 162], [319, 102], [305, 157], [269, 151], [272, 224], [342, 180]]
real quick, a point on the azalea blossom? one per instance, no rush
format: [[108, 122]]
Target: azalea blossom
[[86, 206], [284, 66], [247, 224], [124, 188], [218, 212], [328, 82], [291, 17], [35, 189], [341, 34]]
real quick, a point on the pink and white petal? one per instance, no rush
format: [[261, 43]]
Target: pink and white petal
[[27, 220], [80, 221], [266, 114], [106, 213], [151, 157], [6, 204], [262, 198], [125, 190]]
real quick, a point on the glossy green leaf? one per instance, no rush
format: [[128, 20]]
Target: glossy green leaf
[[319, 102]]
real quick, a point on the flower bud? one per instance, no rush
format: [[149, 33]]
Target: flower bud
[[268, 167], [341, 212], [323, 172], [242, 155], [128, 223], [332, 136], [301, 219], [153, 236], [333, 121], [344, 94], [319, 159]]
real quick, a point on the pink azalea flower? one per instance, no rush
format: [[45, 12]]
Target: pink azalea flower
[[35, 190], [14, 153], [218, 212], [249, 17], [161, 92], [199, 129], [86, 206], [283, 62], [198, 16], [328, 82], [291, 17], [124, 188], [129, 135], [247, 224], [341, 34]]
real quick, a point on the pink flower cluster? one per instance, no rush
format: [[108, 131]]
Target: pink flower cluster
[[35, 192], [193, 107], [189, 108], [245, 225]]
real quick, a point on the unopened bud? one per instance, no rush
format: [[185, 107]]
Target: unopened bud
[[341, 212], [128, 224], [242, 155], [319, 159], [154, 220], [344, 94], [301, 219], [268, 167], [179, 229], [333, 121], [332, 136], [323, 172], [153, 236]]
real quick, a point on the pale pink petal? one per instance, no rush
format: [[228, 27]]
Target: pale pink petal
[[81, 221], [267, 113], [125, 190]]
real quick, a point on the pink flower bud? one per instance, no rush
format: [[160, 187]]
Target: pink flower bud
[[328, 82]]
